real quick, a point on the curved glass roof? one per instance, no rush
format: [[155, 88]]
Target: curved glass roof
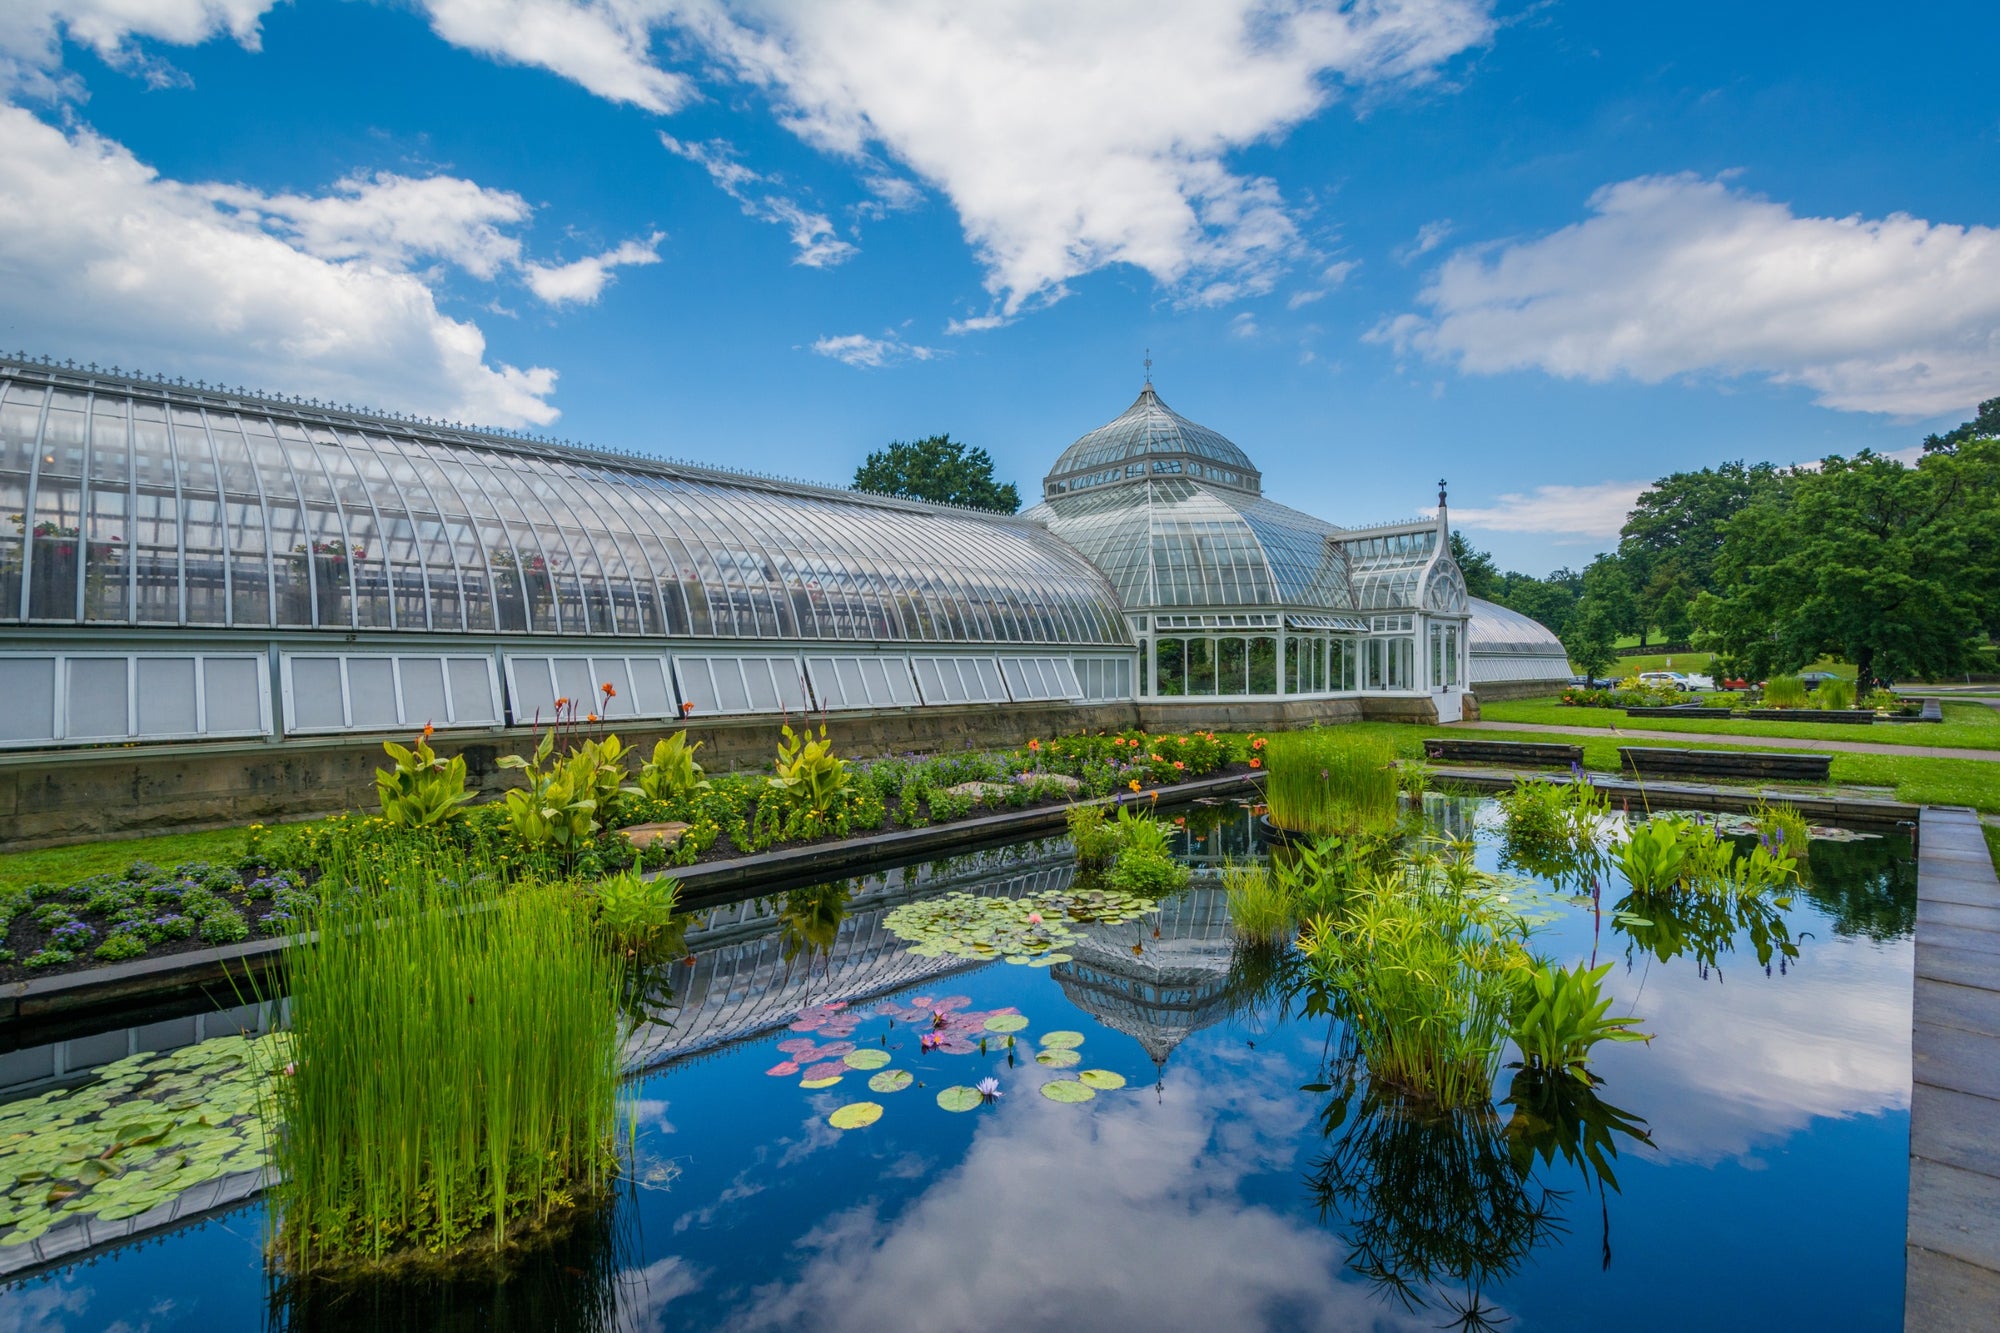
[[1178, 543], [1150, 441], [136, 503], [1496, 629]]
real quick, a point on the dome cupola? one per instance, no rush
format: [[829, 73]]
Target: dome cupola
[[1150, 441]]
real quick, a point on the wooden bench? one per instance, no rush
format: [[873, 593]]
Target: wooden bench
[[1855, 716], [1681, 710], [1660, 761], [1534, 754]]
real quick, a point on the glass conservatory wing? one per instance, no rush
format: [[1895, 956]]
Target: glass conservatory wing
[[1305, 554], [1349, 624], [152, 503]]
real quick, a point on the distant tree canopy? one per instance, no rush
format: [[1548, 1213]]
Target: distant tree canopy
[[936, 468], [1892, 567]]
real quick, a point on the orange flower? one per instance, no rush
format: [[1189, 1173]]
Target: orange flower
[[427, 728], [1133, 784], [1179, 764], [1181, 741], [1256, 763], [1034, 745], [606, 690], [590, 717], [1159, 759], [563, 702], [1257, 744]]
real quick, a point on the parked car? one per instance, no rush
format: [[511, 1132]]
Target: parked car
[[1591, 683], [1813, 679], [1673, 678]]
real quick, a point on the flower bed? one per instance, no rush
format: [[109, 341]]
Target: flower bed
[[151, 911]]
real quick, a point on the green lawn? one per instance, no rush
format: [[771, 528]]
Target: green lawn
[[67, 865], [1966, 725], [1993, 843]]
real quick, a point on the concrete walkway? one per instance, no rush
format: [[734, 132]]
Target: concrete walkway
[[1953, 1251], [1700, 739]]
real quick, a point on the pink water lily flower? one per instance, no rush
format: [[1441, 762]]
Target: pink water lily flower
[[989, 1088], [1034, 918]]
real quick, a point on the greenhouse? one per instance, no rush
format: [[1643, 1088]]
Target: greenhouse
[[186, 562]]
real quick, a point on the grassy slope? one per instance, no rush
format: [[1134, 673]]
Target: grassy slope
[[1966, 725]]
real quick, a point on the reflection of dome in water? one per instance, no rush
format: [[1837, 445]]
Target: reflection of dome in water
[[1174, 986]]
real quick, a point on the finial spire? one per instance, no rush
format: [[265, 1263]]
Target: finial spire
[[1149, 365], [1440, 492]]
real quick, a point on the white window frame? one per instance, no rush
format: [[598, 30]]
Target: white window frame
[[403, 720], [60, 719], [625, 705], [977, 680], [841, 682], [707, 664]]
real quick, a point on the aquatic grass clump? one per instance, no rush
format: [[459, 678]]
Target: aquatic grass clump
[[454, 1081], [1784, 692], [1427, 966], [1322, 782], [1259, 907]]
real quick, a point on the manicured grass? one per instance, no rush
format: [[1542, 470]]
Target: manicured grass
[[1966, 725], [1691, 663], [67, 865], [1992, 843]]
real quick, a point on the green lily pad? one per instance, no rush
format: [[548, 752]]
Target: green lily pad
[[1059, 1058], [1061, 1040], [855, 1115], [959, 1098], [866, 1058], [891, 1080], [1104, 1080], [1067, 1090], [1006, 1022], [817, 1083]]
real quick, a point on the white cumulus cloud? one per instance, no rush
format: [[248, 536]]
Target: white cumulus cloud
[[1596, 510], [1074, 137], [584, 280], [1681, 275], [32, 32], [604, 45], [866, 353], [312, 294]]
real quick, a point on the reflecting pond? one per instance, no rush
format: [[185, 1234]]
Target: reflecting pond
[[1168, 1142]]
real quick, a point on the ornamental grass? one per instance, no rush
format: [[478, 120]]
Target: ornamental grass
[[1322, 782], [453, 1095]]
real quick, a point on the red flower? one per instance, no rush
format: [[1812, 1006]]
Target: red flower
[[686, 709], [1179, 764], [1256, 763], [1034, 745]]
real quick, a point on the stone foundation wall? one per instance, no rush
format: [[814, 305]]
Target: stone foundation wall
[[49, 798], [1494, 691]]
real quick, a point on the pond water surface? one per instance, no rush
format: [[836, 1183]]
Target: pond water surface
[[1746, 1168]]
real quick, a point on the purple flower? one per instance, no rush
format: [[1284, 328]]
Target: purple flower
[[71, 932]]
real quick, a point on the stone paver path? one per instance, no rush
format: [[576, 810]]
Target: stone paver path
[[1953, 1250], [1704, 739]]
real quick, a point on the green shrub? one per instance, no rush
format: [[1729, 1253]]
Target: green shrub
[[1093, 837], [636, 915], [1144, 872], [1141, 834], [422, 790], [224, 926], [49, 958], [120, 945], [1323, 782]]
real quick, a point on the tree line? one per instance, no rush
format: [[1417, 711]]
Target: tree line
[[1891, 566]]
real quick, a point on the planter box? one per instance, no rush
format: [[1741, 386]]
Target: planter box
[[1851, 716]]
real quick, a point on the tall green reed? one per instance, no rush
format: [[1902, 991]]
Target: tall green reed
[[454, 1086], [1323, 782]]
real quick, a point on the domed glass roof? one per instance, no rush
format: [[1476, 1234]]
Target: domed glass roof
[[1151, 441]]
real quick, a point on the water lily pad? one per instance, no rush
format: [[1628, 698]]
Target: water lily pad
[[891, 1080], [959, 1098], [870, 1058], [1058, 1058], [855, 1115], [1067, 1090], [824, 1069], [1061, 1040], [1104, 1080], [817, 1083], [783, 1069], [1006, 1022]]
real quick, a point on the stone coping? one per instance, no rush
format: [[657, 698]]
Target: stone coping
[[1952, 1248], [146, 979]]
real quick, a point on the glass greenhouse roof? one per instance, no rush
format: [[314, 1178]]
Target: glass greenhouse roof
[[133, 502], [1177, 543], [1150, 442], [1496, 629]]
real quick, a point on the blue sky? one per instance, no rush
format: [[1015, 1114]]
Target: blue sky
[[1548, 251]]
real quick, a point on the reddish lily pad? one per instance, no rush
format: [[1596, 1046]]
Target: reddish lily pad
[[825, 1069], [783, 1069]]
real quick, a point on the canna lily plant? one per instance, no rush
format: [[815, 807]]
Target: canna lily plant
[[422, 790], [1561, 1014]]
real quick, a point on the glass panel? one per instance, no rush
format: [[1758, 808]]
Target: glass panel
[[28, 684], [207, 595], [1232, 669], [316, 694], [98, 697], [875, 682], [165, 689], [471, 691], [57, 526], [851, 686], [371, 692], [612, 671], [534, 690], [1170, 668], [730, 693], [573, 683], [1201, 666], [1263, 666], [763, 689], [650, 695], [697, 686], [231, 688], [20, 428], [930, 683], [107, 567], [156, 536], [423, 690]]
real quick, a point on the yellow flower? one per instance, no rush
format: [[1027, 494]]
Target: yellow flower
[[1134, 784]]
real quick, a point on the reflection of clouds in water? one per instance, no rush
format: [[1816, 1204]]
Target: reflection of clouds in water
[[649, 1115], [1745, 1061], [1122, 1214], [45, 1309], [645, 1293]]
